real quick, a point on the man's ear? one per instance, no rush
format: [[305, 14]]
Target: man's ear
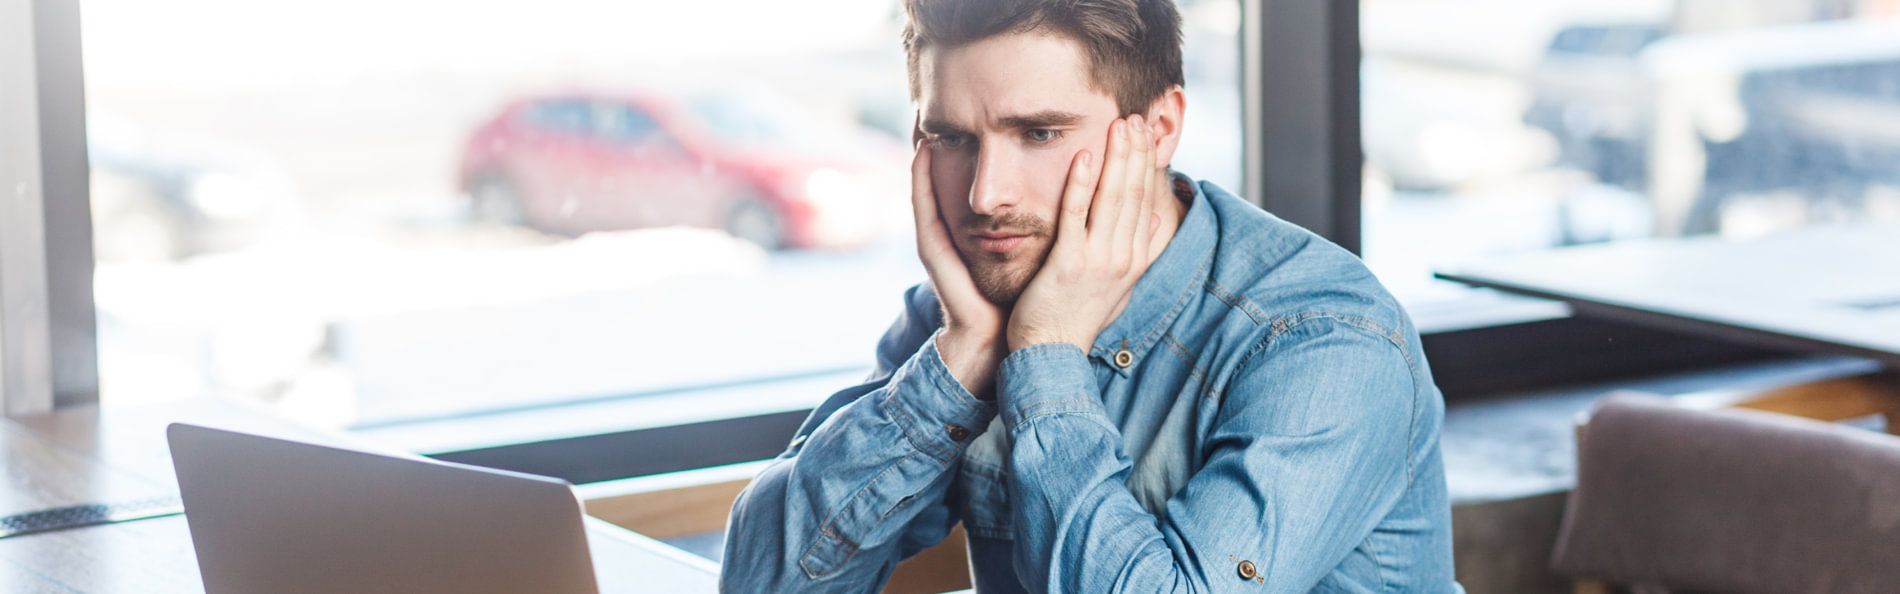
[[1164, 120]]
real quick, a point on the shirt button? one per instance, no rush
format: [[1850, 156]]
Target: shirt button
[[1123, 358], [957, 432], [1247, 570]]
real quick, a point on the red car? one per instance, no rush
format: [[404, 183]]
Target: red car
[[741, 162]]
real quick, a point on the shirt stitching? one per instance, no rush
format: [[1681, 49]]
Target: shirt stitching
[[906, 424], [1236, 301], [1160, 328], [1196, 374], [1363, 323], [829, 528]]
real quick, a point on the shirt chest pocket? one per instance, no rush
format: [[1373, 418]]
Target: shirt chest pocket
[[983, 485]]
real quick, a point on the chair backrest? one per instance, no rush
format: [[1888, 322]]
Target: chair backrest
[[1731, 501]]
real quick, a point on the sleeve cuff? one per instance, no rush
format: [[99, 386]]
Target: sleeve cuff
[[938, 414], [1046, 379]]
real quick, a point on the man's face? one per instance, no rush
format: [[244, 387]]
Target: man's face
[[1007, 116]]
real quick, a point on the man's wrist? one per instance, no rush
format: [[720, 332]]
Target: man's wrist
[[972, 361], [1028, 340]]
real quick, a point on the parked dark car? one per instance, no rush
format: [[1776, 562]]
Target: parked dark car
[[1810, 108], [742, 162], [1590, 93]]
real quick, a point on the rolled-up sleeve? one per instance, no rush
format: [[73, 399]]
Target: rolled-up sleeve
[[862, 485], [1307, 452]]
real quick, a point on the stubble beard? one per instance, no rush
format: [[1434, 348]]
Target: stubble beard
[[1002, 281], [1002, 278]]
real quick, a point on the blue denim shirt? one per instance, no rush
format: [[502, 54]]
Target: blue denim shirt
[[1260, 418]]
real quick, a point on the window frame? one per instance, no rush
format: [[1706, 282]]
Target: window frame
[[48, 328], [1302, 161]]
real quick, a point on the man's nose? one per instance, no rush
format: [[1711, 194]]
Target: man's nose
[[995, 187]]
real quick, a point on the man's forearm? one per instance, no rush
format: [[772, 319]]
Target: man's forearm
[[861, 491]]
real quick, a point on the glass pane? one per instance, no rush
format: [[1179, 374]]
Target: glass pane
[[364, 212], [1494, 126]]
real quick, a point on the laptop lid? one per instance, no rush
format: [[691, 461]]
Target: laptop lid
[[271, 515]]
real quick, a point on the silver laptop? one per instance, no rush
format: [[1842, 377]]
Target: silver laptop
[[269, 515]]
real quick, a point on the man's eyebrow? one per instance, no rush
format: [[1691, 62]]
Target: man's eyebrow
[[936, 126], [1048, 118]]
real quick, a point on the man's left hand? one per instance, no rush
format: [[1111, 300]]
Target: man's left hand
[[1104, 238]]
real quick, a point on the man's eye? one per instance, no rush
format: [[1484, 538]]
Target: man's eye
[[950, 142], [1043, 135]]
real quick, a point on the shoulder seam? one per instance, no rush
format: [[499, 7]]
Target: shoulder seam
[[1236, 301], [1365, 324]]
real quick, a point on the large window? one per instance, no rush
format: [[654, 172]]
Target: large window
[[365, 212], [1494, 126]]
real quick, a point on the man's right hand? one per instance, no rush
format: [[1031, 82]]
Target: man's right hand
[[972, 341]]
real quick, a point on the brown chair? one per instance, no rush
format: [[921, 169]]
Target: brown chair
[[1670, 498]]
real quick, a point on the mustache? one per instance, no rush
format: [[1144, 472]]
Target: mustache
[[1011, 222]]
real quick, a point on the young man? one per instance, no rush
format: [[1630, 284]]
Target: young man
[[1117, 379]]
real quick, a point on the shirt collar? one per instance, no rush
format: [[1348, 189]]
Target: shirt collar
[[1169, 282]]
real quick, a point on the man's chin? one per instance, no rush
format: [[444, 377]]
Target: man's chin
[[1003, 299], [1002, 280], [1001, 285]]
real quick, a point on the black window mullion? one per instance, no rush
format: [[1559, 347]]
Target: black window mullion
[[1300, 109]]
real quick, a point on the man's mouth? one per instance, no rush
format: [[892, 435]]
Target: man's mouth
[[998, 242]]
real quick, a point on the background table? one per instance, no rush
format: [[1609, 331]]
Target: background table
[[1833, 290]]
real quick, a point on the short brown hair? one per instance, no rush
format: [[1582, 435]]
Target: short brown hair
[[1133, 46]]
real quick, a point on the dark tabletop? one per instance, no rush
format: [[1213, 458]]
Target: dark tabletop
[[1826, 289]]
